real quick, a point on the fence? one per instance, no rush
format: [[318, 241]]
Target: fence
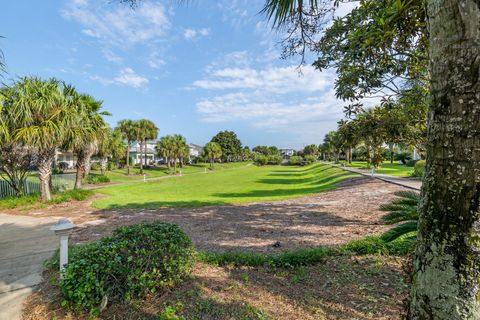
[[59, 182]]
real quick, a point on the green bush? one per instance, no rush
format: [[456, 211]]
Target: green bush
[[419, 168], [134, 261], [274, 159], [309, 159], [94, 178], [76, 194], [95, 166], [260, 160], [295, 161], [15, 202]]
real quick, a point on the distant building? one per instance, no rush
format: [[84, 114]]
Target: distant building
[[195, 150], [151, 155], [287, 153], [66, 157]]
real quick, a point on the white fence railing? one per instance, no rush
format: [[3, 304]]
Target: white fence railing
[[59, 182]]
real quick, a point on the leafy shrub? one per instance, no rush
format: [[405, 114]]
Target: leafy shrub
[[403, 156], [76, 194], [95, 166], [134, 261], [15, 202], [309, 159], [411, 163], [419, 168], [295, 161], [260, 160], [63, 165], [274, 159], [94, 178]]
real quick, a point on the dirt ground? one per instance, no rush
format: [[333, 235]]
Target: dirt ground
[[366, 287], [330, 218]]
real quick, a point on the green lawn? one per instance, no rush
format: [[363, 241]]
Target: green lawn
[[394, 169], [120, 175], [246, 184]]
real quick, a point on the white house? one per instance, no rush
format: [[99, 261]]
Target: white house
[[195, 150], [151, 155], [67, 157], [287, 153]]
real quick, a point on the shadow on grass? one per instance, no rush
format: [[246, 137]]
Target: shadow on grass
[[169, 204]]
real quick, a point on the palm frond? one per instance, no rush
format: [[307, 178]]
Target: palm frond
[[400, 230]]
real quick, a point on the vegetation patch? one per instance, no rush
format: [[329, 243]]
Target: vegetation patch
[[134, 261], [34, 199], [94, 178]]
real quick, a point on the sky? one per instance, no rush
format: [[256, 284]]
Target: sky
[[194, 68]]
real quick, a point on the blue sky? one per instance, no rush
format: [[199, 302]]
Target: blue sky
[[193, 69]]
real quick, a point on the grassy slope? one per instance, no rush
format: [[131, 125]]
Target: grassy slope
[[394, 169], [247, 184], [119, 175]]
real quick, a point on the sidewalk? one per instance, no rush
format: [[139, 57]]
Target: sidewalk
[[401, 181], [25, 243]]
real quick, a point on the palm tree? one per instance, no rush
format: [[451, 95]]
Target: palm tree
[[143, 130], [151, 133], [111, 146], [86, 132], [212, 151], [42, 114], [128, 130]]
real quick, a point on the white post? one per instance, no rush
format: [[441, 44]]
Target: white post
[[144, 177], [63, 228], [63, 252]]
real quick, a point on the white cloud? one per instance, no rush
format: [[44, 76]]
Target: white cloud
[[112, 57], [128, 77], [125, 77], [154, 60], [273, 79], [117, 23], [192, 34]]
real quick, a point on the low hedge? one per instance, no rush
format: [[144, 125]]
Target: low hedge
[[419, 168], [134, 261], [93, 178]]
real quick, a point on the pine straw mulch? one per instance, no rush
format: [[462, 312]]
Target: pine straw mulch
[[341, 287]]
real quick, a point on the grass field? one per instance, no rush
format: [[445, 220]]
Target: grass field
[[246, 184], [119, 175], [394, 169]]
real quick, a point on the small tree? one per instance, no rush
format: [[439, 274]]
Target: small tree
[[127, 128], [212, 151]]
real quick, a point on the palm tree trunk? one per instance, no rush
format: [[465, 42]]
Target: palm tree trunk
[[44, 164], [90, 150], [103, 165], [80, 168], [145, 150], [141, 157], [128, 158], [446, 282]]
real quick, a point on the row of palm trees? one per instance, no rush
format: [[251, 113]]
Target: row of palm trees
[[137, 131], [173, 148], [40, 116]]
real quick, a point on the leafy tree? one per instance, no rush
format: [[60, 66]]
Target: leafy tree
[[212, 151], [151, 132], [311, 149], [230, 144], [165, 149], [446, 283], [174, 148], [128, 129], [15, 158]]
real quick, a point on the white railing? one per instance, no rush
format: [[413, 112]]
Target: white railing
[[59, 182]]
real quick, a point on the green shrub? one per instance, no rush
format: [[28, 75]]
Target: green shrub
[[404, 156], [95, 166], [295, 161], [76, 194], [15, 202], [309, 159], [419, 168], [134, 261], [274, 159], [411, 163], [94, 178], [260, 160]]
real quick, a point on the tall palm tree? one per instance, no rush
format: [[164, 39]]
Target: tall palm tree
[[128, 129], [88, 129], [111, 146], [164, 149], [212, 151], [43, 114], [151, 133]]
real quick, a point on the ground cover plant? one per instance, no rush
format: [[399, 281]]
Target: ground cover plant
[[248, 184], [31, 201]]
